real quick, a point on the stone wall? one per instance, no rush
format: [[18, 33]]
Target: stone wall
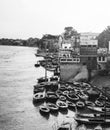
[[68, 71]]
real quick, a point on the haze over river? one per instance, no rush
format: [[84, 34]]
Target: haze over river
[[17, 77]]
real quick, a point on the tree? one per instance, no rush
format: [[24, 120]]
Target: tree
[[69, 32], [104, 38]]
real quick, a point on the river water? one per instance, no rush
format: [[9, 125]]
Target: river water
[[17, 77]]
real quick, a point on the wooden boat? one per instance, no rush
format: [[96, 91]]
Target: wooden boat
[[39, 89], [59, 93], [63, 126], [39, 96], [93, 94], [102, 98], [77, 84], [85, 115], [100, 116], [89, 103], [81, 127], [63, 88], [71, 105], [44, 109], [66, 92], [72, 97], [51, 96], [93, 119], [70, 88], [42, 79], [54, 85], [38, 55], [98, 109], [37, 64], [62, 98], [62, 105], [52, 107], [83, 96], [51, 68], [85, 85], [80, 105], [99, 103], [54, 78], [98, 127], [107, 104], [39, 86]]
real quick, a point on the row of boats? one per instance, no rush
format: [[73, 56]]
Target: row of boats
[[69, 126], [91, 107], [87, 103], [49, 63]]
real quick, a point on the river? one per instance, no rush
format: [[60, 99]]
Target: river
[[17, 77]]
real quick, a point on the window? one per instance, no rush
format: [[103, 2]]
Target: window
[[99, 58], [69, 59], [62, 59], [103, 58], [74, 59], [78, 60]]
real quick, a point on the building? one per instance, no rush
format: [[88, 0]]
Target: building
[[88, 36], [68, 57], [68, 50], [88, 49]]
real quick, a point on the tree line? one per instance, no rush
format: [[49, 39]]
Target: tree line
[[50, 41]]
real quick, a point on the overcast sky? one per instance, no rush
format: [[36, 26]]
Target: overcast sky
[[33, 18]]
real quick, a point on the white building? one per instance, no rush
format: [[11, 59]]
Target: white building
[[88, 38]]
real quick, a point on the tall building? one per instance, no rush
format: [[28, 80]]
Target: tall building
[[88, 49]]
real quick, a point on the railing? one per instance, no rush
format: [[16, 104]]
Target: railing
[[69, 60]]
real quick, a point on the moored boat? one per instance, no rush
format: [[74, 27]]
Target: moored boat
[[63, 88], [99, 109], [99, 103], [71, 105], [93, 119], [51, 96], [72, 97], [54, 78], [98, 127], [80, 105], [66, 92], [62, 98], [37, 64], [52, 107], [44, 109], [83, 96], [59, 93], [62, 105], [42, 79], [89, 103], [39, 96], [81, 127], [38, 88], [93, 94], [63, 126]]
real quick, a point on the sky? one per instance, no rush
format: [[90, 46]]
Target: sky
[[34, 18]]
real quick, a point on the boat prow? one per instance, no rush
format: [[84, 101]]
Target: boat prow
[[81, 127], [98, 127]]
